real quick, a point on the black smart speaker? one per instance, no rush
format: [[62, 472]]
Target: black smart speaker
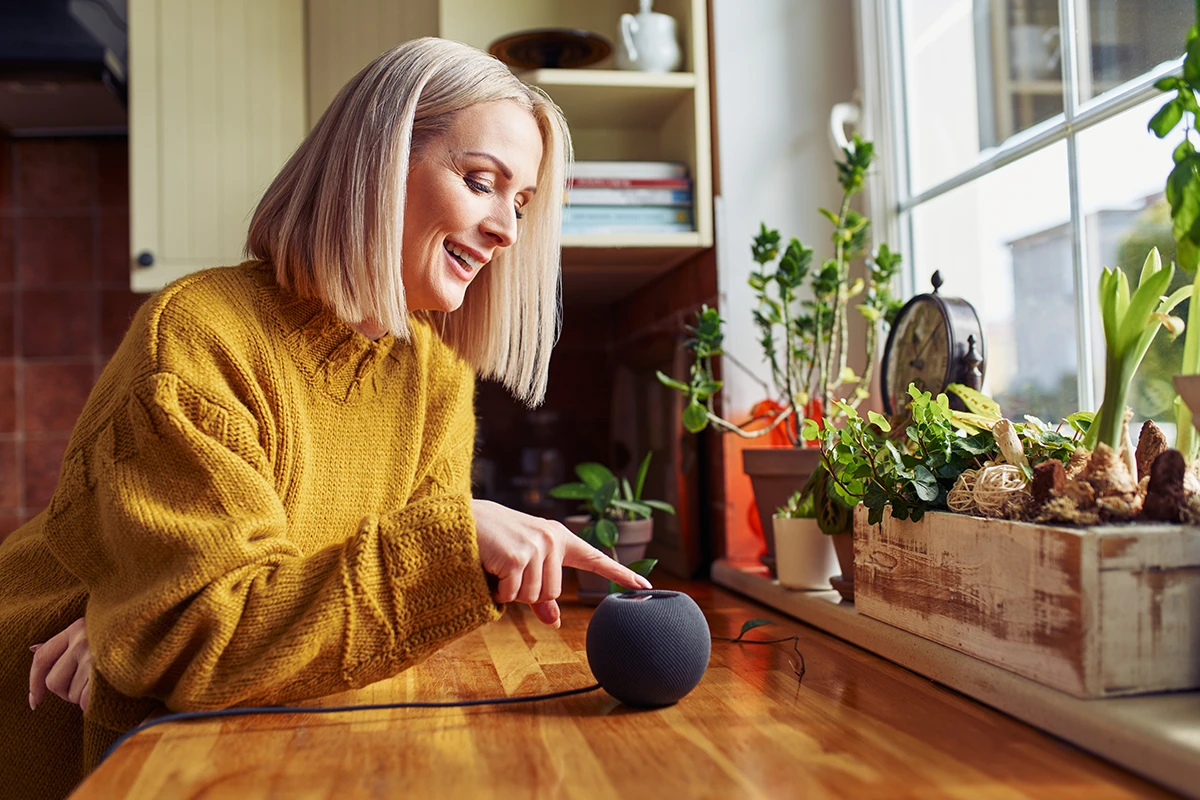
[[648, 648]]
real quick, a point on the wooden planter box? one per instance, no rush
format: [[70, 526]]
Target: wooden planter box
[[1095, 612]]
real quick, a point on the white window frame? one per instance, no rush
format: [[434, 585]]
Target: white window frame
[[891, 202]]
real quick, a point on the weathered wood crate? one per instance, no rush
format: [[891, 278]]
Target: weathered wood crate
[[1096, 612]]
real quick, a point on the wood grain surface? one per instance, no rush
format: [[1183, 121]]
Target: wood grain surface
[[858, 726]]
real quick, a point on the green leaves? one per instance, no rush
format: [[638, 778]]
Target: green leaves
[[1167, 117], [1183, 183], [1130, 325], [608, 499], [642, 567], [751, 625]]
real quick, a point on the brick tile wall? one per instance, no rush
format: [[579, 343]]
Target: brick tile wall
[[64, 300]]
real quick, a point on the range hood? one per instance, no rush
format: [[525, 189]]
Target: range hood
[[63, 67]]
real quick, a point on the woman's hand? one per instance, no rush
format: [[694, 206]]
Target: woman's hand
[[527, 554], [63, 664]]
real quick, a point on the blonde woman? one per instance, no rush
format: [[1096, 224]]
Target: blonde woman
[[267, 496]]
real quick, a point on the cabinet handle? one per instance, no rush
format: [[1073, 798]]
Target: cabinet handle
[[145, 259]]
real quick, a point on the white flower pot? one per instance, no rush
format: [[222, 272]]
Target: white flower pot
[[804, 556]]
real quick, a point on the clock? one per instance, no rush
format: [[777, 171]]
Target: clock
[[934, 341]]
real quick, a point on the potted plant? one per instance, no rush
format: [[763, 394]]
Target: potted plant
[[803, 317], [804, 555], [617, 519]]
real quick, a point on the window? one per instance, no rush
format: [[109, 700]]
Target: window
[[1023, 166]]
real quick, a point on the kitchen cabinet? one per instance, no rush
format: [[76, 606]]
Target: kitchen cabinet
[[217, 103]]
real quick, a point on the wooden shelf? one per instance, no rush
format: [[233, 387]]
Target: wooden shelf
[[606, 98], [594, 275], [1153, 735]]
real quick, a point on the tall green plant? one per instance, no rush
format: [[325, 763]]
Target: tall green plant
[[804, 334], [1183, 193]]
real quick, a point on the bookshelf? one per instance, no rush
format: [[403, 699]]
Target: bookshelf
[[614, 115]]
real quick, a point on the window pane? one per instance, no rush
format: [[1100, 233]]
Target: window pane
[[1125, 214], [1120, 40], [977, 73], [1003, 243]]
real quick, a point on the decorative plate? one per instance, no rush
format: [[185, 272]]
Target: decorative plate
[[562, 48]]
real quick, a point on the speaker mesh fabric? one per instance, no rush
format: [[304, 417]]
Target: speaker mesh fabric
[[648, 648]]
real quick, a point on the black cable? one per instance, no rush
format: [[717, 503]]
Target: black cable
[[246, 711], [241, 712]]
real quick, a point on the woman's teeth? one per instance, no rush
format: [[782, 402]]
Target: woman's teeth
[[462, 255]]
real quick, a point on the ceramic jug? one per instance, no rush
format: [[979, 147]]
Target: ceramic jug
[[648, 41]]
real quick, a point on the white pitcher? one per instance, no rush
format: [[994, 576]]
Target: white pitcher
[[648, 41]]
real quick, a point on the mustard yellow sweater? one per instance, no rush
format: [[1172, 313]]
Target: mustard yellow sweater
[[258, 505]]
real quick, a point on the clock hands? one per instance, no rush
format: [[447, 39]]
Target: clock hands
[[918, 362]]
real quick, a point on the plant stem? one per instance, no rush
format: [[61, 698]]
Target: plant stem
[[836, 354], [1185, 434]]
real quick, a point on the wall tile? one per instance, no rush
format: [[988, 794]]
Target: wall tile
[[8, 398], [113, 266], [6, 174], [8, 248], [56, 250], [117, 307], [55, 394], [9, 522], [7, 324], [57, 322], [56, 174], [43, 461], [112, 165], [10, 483]]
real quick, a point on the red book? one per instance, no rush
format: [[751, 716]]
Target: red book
[[631, 183]]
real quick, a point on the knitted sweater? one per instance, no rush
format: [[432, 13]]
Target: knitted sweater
[[258, 505]]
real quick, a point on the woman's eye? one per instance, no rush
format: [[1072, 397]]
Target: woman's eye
[[517, 211], [481, 188]]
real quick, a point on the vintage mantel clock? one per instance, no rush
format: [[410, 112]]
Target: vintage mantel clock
[[934, 341]]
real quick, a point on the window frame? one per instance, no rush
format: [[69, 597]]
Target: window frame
[[891, 201]]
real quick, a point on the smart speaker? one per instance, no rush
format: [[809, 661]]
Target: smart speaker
[[648, 648]]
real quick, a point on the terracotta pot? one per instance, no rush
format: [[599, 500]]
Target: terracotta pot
[[776, 472], [804, 555], [843, 544], [632, 538]]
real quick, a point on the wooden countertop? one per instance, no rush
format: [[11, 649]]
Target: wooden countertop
[[858, 726]]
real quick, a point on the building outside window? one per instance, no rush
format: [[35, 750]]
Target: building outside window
[[1018, 164]]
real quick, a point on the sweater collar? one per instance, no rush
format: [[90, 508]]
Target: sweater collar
[[346, 363]]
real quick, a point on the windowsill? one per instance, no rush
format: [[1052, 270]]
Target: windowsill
[[1156, 736]]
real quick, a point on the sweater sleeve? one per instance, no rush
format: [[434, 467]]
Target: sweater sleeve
[[199, 598]]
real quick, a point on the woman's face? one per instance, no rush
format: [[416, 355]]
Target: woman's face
[[466, 190]]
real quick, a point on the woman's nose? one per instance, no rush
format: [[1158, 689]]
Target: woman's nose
[[502, 225]]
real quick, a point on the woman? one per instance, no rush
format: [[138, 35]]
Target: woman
[[267, 497]]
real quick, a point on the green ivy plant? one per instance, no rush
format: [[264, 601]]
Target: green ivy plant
[[1183, 194], [913, 468]]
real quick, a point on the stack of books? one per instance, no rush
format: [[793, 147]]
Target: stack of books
[[618, 197]]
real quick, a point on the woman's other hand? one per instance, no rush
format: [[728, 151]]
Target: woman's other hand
[[63, 664], [527, 554]]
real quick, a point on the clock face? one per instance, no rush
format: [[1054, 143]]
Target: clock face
[[920, 353]]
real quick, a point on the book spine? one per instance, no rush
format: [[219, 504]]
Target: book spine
[[607, 230], [629, 169], [629, 197], [631, 183], [626, 215]]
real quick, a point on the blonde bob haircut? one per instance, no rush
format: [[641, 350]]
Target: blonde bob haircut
[[332, 221]]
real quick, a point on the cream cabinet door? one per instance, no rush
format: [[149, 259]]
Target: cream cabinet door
[[217, 103]]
